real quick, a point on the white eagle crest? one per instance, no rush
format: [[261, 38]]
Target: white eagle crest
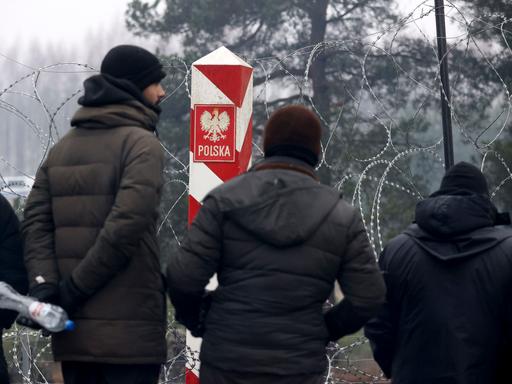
[[214, 125]]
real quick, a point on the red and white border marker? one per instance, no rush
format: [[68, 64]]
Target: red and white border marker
[[220, 140]]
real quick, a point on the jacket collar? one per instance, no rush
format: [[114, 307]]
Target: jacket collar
[[286, 163]]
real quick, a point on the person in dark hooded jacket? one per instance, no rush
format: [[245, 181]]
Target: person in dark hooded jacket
[[90, 227], [448, 316], [12, 269], [278, 240]]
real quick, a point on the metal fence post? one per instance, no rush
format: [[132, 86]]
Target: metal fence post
[[445, 84]]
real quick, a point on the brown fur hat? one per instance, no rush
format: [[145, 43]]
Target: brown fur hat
[[293, 131]]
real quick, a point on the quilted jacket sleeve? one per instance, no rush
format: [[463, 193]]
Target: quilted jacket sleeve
[[190, 270], [38, 232], [360, 281]]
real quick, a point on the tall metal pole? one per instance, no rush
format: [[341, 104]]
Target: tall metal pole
[[445, 84]]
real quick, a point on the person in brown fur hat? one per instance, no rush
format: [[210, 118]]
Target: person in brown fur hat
[[278, 240], [293, 131]]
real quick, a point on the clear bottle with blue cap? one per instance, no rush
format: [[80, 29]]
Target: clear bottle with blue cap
[[49, 316]]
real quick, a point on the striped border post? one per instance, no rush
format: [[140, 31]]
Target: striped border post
[[220, 140]]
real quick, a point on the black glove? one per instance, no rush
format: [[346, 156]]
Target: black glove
[[71, 297], [46, 293], [191, 310], [342, 320], [206, 303]]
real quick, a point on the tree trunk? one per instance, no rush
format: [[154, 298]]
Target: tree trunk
[[318, 16]]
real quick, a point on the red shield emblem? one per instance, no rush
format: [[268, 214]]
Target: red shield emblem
[[214, 132]]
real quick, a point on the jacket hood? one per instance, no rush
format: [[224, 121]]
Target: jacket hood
[[466, 245], [456, 226], [109, 102], [104, 89], [453, 215], [282, 207]]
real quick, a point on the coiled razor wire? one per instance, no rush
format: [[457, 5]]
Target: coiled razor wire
[[384, 175]]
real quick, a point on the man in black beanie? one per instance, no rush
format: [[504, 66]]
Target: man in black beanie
[[448, 314], [90, 227], [277, 240], [138, 66]]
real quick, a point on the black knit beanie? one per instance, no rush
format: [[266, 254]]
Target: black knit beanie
[[463, 178], [293, 131], [133, 63]]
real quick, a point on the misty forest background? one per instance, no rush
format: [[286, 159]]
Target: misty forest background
[[369, 69]]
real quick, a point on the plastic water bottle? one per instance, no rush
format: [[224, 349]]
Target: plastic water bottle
[[49, 316]]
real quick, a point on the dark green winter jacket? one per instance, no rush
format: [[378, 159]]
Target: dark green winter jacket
[[92, 215]]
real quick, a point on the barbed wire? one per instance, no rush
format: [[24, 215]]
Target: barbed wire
[[377, 173]]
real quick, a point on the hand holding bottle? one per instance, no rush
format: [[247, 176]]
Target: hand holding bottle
[[51, 317]]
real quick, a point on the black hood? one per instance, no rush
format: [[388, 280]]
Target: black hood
[[281, 207], [467, 245], [453, 215], [455, 226], [109, 103], [101, 90]]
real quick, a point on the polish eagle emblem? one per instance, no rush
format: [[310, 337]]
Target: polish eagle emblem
[[214, 125]]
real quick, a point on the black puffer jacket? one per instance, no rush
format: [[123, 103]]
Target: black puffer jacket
[[12, 269], [278, 240], [448, 317]]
